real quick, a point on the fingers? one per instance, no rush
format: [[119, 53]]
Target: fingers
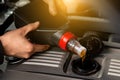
[[56, 6], [31, 51], [30, 27], [61, 6], [36, 48], [22, 55], [52, 7], [40, 48]]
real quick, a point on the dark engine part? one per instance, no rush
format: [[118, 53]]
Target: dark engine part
[[13, 60], [6, 24], [88, 67], [3, 6], [93, 43]]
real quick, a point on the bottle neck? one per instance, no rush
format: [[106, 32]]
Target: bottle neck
[[74, 46]]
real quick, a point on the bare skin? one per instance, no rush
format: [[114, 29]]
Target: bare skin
[[67, 6], [16, 44]]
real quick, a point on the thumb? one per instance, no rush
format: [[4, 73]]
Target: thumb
[[30, 27]]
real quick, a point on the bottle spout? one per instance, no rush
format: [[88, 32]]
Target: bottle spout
[[76, 47]]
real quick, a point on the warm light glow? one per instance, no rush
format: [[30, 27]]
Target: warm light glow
[[73, 5], [68, 1]]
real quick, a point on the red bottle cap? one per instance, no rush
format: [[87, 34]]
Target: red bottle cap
[[64, 39]]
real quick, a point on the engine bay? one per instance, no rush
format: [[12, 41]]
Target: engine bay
[[98, 33]]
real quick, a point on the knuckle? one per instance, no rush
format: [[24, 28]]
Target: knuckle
[[29, 48]]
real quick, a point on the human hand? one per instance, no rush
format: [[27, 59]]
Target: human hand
[[56, 6], [16, 44], [76, 5], [68, 6]]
